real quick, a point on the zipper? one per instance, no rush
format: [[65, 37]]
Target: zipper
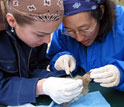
[[29, 59], [19, 65], [86, 59]]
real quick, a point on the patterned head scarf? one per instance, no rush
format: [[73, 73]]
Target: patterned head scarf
[[42, 10], [72, 7]]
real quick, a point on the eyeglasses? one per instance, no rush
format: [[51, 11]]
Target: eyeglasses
[[80, 31]]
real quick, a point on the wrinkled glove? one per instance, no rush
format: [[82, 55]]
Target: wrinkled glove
[[62, 90], [107, 76], [66, 63]]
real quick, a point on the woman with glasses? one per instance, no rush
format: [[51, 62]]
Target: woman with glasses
[[90, 40]]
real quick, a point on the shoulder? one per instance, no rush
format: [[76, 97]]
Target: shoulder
[[4, 40], [6, 47], [118, 28], [119, 8], [120, 13], [3, 36]]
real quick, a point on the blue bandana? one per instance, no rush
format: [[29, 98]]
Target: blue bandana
[[76, 6]]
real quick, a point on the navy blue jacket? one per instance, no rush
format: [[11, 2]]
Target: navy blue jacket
[[20, 69]]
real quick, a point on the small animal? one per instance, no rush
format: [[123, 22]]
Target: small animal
[[86, 80]]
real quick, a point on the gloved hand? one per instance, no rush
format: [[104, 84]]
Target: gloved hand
[[107, 76], [66, 63], [62, 90]]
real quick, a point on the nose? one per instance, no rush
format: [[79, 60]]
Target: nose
[[47, 39], [79, 37]]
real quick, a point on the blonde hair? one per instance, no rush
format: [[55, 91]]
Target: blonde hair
[[20, 19], [2, 14]]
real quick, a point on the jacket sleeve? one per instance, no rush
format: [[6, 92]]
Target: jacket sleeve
[[17, 90]]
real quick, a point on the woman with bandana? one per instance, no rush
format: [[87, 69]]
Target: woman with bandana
[[91, 39], [23, 44]]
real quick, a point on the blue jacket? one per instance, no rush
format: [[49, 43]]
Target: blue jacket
[[109, 51], [20, 69]]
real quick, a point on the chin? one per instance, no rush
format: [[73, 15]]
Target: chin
[[89, 44]]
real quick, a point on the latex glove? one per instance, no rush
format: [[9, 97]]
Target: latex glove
[[62, 90], [66, 63], [107, 76], [48, 68]]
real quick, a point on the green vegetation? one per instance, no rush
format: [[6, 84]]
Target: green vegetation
[[120, 2]]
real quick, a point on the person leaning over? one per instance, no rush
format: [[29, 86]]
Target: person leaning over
[[91, 39], [23, 44]]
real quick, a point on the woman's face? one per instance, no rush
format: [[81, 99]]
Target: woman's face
[[36, 34], [81, 27]]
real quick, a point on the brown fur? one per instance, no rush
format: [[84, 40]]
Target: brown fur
[[86, 80]]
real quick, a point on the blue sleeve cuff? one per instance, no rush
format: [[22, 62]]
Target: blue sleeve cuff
[[27, 92]]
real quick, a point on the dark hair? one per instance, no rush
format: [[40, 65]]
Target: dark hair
[[106, 20]]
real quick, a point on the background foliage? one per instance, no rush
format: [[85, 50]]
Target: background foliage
[[120, 2]]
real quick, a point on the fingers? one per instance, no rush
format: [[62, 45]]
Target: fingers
[[72, 64], [98, 70], [107, 76], [101, 75], [65, 62], [48, 68], [69, 64], [68, 96], [66, 65], [74, 92], [105, 80], [74, 85], [69, 91], [111, 84]]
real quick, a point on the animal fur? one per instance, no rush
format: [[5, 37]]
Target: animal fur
[[86, 80]]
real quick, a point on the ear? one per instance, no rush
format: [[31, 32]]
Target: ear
[[102, 9], [11, 20]]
